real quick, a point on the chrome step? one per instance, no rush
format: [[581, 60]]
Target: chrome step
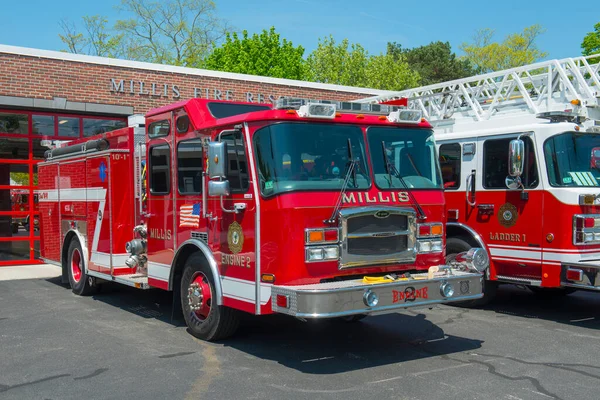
[[139, 281], [510, 279]]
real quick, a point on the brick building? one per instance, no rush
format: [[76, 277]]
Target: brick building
[[49, 95]]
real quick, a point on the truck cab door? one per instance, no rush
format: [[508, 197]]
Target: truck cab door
[[232, 232], [508, 220]]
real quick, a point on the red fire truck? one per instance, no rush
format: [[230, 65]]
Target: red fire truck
[[19, 199], [311, 209], [520, 158]]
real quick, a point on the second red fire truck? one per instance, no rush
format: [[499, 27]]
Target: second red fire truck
[[311, 209], [520, 159]]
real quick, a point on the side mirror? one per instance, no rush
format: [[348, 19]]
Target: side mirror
[[218, 188], [516, 152], [217, 160], [513, 183]]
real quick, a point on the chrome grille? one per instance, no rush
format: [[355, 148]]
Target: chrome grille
[[372, 246], [377, 235], [203, 236]]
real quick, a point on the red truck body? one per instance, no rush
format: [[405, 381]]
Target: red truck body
[[286, 231]]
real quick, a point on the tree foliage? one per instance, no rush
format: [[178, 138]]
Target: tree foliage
[[591, 42], [516, 50], [264, 54], [434, 62], [177, 32], [350, 64]]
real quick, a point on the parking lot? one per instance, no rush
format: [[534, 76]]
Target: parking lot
[[122, 343]]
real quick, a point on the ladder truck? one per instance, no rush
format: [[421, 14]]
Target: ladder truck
[[304, 208], [520, 157]]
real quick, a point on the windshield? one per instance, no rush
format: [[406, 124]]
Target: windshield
[[412, 153], [573, 159], [308, 156]]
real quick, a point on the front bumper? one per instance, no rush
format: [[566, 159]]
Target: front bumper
[[341, 298], [590, 274]]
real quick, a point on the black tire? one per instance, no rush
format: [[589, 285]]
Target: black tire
[[455, 246], [219, 322], [80, 282], [14, 228], [551, 292]]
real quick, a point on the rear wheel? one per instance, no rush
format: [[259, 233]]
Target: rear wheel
[[454, 246], [205, 319], [81, 283]]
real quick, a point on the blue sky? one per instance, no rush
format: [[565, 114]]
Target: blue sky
[[34, 23]]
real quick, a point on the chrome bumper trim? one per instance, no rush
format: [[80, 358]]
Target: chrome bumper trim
[[337, 299]]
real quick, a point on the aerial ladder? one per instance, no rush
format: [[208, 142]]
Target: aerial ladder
[[544, 89]]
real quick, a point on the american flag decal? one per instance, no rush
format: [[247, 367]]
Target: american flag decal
[[189, 215]]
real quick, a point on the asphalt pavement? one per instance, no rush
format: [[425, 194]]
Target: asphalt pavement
[[123, 343]]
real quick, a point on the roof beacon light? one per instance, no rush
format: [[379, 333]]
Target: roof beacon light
[[405, 116], [317, 110]]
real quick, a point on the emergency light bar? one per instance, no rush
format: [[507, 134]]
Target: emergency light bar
[[291, 103], [327, 109]]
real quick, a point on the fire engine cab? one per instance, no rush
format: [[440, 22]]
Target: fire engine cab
[[520, 159], [311, 209]]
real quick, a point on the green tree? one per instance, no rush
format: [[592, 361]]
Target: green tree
[[350, 64], [177, 32], [434, 62], [265, 54], [591, 42], [516, 50]]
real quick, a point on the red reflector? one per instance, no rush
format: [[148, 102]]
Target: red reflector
[[575, 275], [589, 222], [282, 301], [424, 230], [331, 235]]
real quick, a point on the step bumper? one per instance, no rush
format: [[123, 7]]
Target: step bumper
[[343, 298]]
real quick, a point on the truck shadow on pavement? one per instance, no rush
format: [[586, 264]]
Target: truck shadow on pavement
[[332, 347], [314, 347], [580, 309]]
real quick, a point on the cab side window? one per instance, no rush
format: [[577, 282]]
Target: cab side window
[[237, 170], [450, 163], [160, 167], [189, 167], [495, 164]]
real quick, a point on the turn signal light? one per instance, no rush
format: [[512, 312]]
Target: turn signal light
[[314, 236], [267, 278], [426, 230]]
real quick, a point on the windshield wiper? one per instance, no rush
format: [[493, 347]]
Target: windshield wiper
[[391, 170], [353, 164]]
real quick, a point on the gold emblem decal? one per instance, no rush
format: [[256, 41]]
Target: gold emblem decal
[[507, 215], [235, 237]]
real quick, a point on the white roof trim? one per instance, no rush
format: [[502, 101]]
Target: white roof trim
[[113, 62]]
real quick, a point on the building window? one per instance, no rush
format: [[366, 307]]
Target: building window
[[495, 164], [68, 127], [158, 129], [189, 167], [237, 170], [450, 164], [160, 167], [43, 125], [93, 126], [14, 123]]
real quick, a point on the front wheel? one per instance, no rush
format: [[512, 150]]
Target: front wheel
[[454, 246], [205, 319]]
